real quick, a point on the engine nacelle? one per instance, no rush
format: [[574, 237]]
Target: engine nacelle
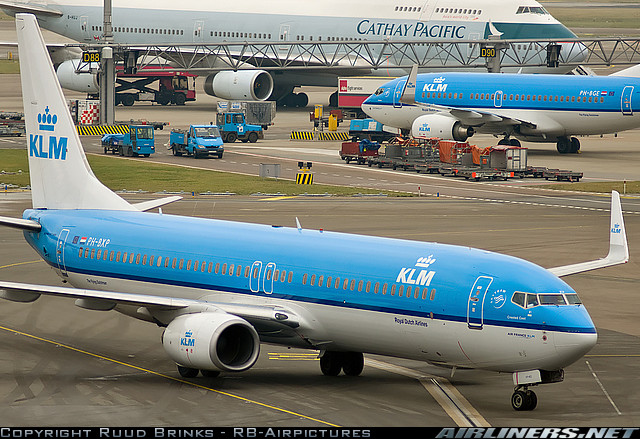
[[69, 79], [255, 85], [439, 125], [212, 341]]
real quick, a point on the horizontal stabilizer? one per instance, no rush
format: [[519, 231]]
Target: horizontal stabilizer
[[618, 247], [152, 204], [19, 223], [630, 72]]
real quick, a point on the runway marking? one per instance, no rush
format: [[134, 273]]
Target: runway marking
[[20, 263], [294, 356], [179, 380], [602, 388], [285, 197], [450, 399], [613, 355]]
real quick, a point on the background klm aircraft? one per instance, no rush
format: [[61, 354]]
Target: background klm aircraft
[[535, 108], [220, 288], [143, 22]]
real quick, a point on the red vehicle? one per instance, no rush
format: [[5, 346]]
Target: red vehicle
[[359, 151], [161, 87]]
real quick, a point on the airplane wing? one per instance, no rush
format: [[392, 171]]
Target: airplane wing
[[618, 247], [15, 7], [466, 116], [107, 300]]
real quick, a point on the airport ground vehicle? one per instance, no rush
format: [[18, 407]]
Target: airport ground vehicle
[[197, 141], [139, 141], [170, 87], [353, 91], [359, 151], [255, 112], [234, 126], [369, 129]]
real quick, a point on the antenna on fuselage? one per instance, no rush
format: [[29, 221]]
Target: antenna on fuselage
[[298, 225]]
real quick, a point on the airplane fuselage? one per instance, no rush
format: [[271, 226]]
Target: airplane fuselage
[[555, 105], [432, 302]]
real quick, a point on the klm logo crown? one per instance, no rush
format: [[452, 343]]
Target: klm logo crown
[[439, 80], [47, 121], [188, 334]]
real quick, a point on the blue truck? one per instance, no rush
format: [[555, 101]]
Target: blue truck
[[234, 126], [197, 141], [139, 141]]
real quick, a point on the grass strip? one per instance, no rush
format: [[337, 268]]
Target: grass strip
[[632, 187]]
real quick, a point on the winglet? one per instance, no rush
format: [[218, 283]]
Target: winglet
[[409, 91], [618, 246]]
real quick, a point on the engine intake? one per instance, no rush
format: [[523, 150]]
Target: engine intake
[[212, 341], [439, 125], [255, 85]]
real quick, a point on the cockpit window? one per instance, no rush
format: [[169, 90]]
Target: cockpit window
[[532, 300], [379, 91], [551, 299], [532, 10], [518, 299], [573, 299]]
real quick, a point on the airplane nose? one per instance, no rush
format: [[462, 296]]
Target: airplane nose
[[570, 347]]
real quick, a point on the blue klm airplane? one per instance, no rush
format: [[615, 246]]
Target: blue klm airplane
[[535, 108], [220, 288]]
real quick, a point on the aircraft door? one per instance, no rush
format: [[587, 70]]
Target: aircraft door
[[198, 31], [284, 32], [627, 93], [254, 280], [84, 28], [267, 278], [62, 239], [475, 306], [497, 100], [397, 94], [427, 10]]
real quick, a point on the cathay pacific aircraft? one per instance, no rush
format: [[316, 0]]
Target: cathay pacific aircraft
[[222, 288], [154, 23], [535, 108]]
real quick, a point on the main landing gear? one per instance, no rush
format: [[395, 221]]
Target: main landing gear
[[509, 142], [351, 363], [294, 100], [568, 145], [188, 372], [523, 399]]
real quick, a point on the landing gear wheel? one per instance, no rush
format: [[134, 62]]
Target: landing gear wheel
[[333, 99], [564, 145], [127, 100], [120, 151], [187, 372], [231, 137], [210, 373], [524, 400], [301, 100], [533, 400], [331, 363], [514, 142], [253, 137], [575, 146], [163, 98], [353, 363], [129, 152]]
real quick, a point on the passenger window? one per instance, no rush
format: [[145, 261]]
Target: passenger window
[[181, 265], [152, 259], [166, 262], [345, 284], [86, 253], [276, 275], [320, 280], [217, 268], [376, 288], [137, 259], [360, 285], [313, 280], [159, 261], [188, 264], [224, 269], [328, 281], [368, 288], [268, 273], [393, 289], [290, 276], [173, 263], [304, 279], [111, 256], [353, 285], [409, 289], [255, 272], [231, 268], [433, 294], [532, 300], [131, 256], [247, 269], [80, 253], [416, 293], [283, 276], [144, 260], [400, 290], [204, 267], [518, 299], [337, 284], [99, 254], [424, 293]]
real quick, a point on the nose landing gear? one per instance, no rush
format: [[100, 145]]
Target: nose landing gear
[[523, 399]]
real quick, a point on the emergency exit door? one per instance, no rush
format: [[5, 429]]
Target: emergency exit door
[[62, 239], [475, 306], [627, 93]]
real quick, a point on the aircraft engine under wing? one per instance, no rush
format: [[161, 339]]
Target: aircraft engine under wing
[[442, 126], [256, 85], [84, 82]]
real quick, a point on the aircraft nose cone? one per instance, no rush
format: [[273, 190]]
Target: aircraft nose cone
[[570, 347]]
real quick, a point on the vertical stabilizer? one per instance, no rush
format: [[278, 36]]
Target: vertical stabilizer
[[60, 174]]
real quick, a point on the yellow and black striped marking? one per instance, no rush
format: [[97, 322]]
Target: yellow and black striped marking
[[304, 177], [302, 135], [333, 136], [96, 130]]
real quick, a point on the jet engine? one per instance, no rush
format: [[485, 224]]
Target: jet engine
[[442, 126], [83, 82], [212, 341], [255, 85]]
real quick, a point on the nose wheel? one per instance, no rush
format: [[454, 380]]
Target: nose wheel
[[523, 399]]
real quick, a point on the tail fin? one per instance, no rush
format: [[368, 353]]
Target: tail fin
[[60, 174]]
